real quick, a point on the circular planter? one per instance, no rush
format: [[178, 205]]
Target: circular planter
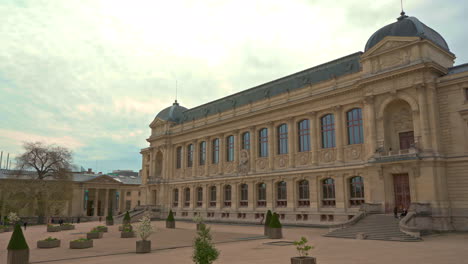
[[127, 234], [18, 256], [266, 230], [143, 246], [275, 233], [109, 222], [170, 224], [54, 228], [303, 260], [93, 235], [48, 244], [103, 229], [67, 227], [81, 244]]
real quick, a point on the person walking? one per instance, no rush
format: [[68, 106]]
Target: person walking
[[78, 220], [395, 212], [25, 224]]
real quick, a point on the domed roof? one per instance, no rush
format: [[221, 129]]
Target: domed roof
[[173, 113], [407, 27]]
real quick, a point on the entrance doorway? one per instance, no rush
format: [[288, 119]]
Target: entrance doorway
[[406, 139], [402, 191]]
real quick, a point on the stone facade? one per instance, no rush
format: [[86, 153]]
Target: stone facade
[[396, 128]]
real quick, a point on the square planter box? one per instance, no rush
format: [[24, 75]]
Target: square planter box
[[109, 222], [275, 233], [103, 229], [94, 235], [18, 256], [303, 260], [121, 228], [170, 224], [67, 227], [54, 228], [127, 234], [266, 230], [48, 244], [81, 244], [143, 246]]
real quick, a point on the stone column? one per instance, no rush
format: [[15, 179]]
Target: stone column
[[235, 195], [82, 202], [313, 193], [270, 194], [237, 147], [433, 111], [106, 203], [96, 201], [207, 155], [222, 154], [195, 159], [314, 138], [206, 196], [423, 118], [271, 145], [183, 158], [253, 148], [370, 123], [340, 198], [251, 195], [193, 201], [339, 129], [219, 202], [292, 142], [290, 193]]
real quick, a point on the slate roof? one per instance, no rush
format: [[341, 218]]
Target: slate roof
[[333, 69], [458, 69], [407, 27]]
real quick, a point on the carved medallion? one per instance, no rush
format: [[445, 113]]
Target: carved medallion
[[243, 166]]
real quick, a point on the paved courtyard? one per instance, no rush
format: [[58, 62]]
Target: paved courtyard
[[233, 242]]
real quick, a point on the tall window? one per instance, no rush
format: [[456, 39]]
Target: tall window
[[212, 196], [261, 195], [190, 155], [304, 193], [244, 195], [202, 155], [215, 151], [246, 140], [283, 139], [281, 195], [187, 197], [230, 148], [356, 191], [175, 198], [179, 157], [328, 192], [328, 131], [263, 142], [304, 135], [199, 196], [227, 196], [354, 124]]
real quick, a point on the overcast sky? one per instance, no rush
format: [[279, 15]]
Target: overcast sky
[[92, 74]]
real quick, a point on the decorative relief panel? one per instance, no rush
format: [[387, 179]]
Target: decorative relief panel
[[282, 161], [353, 152], [229, 167], [303, 158], [327, 155], [262, 163], [177, 173], [188, 172], [213, 169], [400, 57], [201, 170], [244, 162]]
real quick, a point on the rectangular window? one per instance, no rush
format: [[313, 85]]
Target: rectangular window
[[354, 124], [283, 139], [304, 135], [190, 155], [179, 157], [230, 148], [328, 131], [215, 151], [263, 142], [202, 153], [213, 196], [246, 140]]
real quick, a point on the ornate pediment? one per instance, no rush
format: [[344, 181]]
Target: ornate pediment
[[157, 122], [104, 179], [389, 44]]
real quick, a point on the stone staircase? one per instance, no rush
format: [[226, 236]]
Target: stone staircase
[[374, 227]]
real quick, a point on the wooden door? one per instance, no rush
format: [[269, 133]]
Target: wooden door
[[402, 191], [406, 139]]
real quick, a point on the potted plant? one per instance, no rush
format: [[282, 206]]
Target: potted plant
[[53, 228], [50, 242], [109, 218], [144, 230], [127, 232], [18, 250], [204, 251], [303, 250], [13, 218], [81, 243], [67, 226], [275, 230], [127, 218], [103, 229], [199, 220], [95, 233], [266, 227], [170, 221]]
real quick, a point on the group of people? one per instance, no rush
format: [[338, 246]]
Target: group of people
[[403, 213], [61, 221]]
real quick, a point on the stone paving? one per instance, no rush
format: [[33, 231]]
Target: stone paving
[[231, 241]]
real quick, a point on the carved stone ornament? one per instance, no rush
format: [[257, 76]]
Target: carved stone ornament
[[188, 173], [353, 153], [213, 169], [261, 163], [243, 166], [328, 156], [303, 158], [397, 169], [229, 167], [282, 161], [201, 170]]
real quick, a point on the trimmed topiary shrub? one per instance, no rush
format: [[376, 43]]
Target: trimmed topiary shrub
[[17, 240], [275, 222], [127, 219], [204, 252], [170, 217], [268, 218]]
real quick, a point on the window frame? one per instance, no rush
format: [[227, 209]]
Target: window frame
[[303, 134], [227, 193], [230, 148], [213, 192], [215, 151], [354, 126], [179, 157], [175, 198], [199, 196], [261, 194], [328, 192], [282, 139], [187, 197], [190, 149], [327, 129], [246, 140], [244, 195], [281, 194], [303, 193], [263, 143], [202, 153], [356, 191]]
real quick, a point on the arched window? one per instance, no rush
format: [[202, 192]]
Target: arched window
[[230, 148], [212, 196], [263, 142], [179, 157], [215, 151], [227, 196], [304, 193], [246, 140], [281, 195], [202, 159], [354, 124], [190, 155], [328, 131], [328, 192], [304, 135], [283, 139], [199, 196], [175, 198], [187, 197], [356, 191], [261, 195], [244, 195]]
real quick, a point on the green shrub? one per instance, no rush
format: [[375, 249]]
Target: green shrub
[[50, 239], [95, 230], [81, 240], [302, 247], [17, 240], [170, 217], [127, 228], [268, 218], [109, 215], [275, 222], [204, 251], [67, 224], [127, 218]]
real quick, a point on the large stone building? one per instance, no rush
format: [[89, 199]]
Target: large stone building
[[384, 128]]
